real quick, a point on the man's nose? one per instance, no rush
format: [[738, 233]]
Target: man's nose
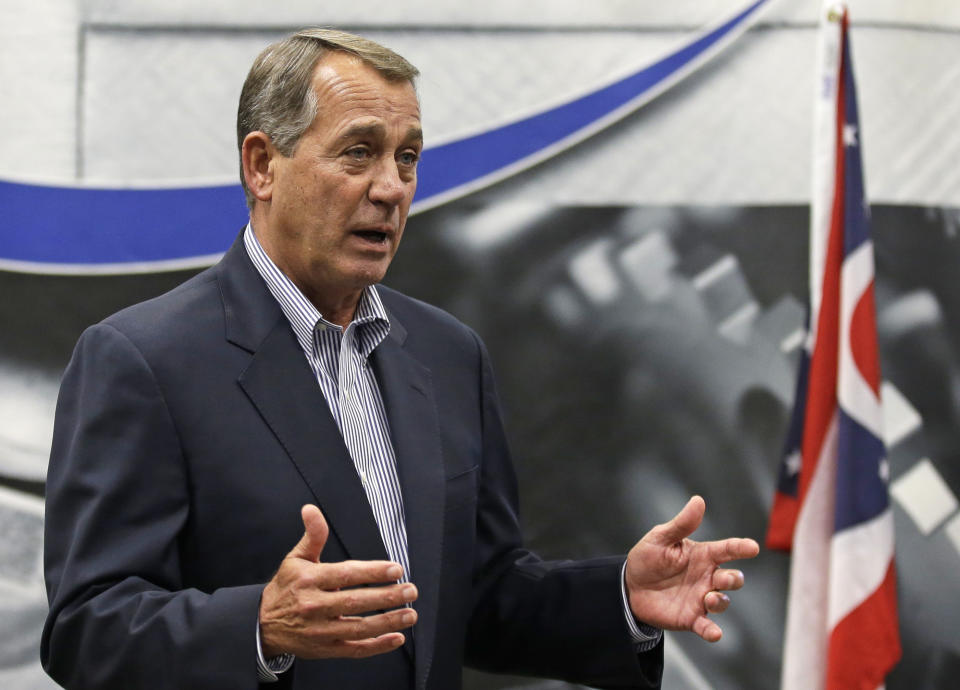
[[387, 187]]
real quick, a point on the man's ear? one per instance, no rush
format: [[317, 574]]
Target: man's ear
[[257, 155]]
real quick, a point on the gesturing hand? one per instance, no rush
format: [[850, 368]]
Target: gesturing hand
[[674, 582], [312, 609]]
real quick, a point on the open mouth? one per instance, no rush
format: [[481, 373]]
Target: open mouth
[[374, 236]]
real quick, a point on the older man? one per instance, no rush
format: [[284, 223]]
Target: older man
[[192, 428]]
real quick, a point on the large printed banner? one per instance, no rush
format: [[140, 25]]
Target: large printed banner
[[644, 352], [109, 230]]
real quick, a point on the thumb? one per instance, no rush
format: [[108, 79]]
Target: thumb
[[684, 523], [315, 533]]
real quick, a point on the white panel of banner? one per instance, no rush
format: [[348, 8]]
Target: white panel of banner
[[38, 87], [492, 13], [736, 132]]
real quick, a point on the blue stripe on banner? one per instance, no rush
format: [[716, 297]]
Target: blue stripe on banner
[[85, 229], [65, 225], [861, 490], [460, 163]]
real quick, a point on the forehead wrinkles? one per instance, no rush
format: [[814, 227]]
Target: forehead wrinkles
[[357, 89]]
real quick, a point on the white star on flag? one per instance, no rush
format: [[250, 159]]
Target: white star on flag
[[793, 462], [849, 134]]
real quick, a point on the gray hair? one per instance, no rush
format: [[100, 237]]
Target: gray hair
[[277, 97]]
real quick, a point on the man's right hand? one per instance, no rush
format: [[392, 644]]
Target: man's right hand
[[314, 610]]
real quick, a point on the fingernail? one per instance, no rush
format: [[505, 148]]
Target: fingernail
[[408, 618], [394, 572], [409, 593]]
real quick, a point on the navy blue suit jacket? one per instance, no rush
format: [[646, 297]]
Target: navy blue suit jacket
[[189, 432]]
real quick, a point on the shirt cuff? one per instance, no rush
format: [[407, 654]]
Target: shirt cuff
[[268, 669], [645, 637]]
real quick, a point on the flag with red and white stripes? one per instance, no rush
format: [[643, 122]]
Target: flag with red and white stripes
[[832, 508]]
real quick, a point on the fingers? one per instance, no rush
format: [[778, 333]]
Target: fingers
[[733, 549], [684, 523], [346, 573], [716, 602], [315, 532], [674, 582], [343, 574], [355, 637], [334, 576], [360, 649], [707, 629], [353, 628], [356, 601], [316, 610], [300, 618], [713, 602], [727, 579]]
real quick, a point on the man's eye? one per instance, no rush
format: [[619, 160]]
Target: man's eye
[[408, 158], [358, 153]]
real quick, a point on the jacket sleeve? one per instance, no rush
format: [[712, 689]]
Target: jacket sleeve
[[559, 619], [117, 499]]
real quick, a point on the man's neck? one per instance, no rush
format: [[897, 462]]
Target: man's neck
[[336, 305], [340, 315]]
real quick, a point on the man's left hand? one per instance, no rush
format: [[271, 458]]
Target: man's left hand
[[673, 582]]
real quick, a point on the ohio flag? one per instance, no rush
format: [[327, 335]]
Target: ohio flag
[[831, 508]]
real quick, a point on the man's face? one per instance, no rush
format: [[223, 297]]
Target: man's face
[[339, 203]]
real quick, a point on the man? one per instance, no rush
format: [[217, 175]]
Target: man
[[192, 428]]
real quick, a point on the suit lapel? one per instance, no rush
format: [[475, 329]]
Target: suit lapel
[[281, 386], [279, 383], [408, 397]]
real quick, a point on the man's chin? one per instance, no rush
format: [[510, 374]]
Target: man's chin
[[365, 276]]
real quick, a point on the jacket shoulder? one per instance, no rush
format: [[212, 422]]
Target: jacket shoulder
[[229, 299], [172, 314], [418, 316]]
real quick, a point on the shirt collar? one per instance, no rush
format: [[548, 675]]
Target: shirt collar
[[370, 318]]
